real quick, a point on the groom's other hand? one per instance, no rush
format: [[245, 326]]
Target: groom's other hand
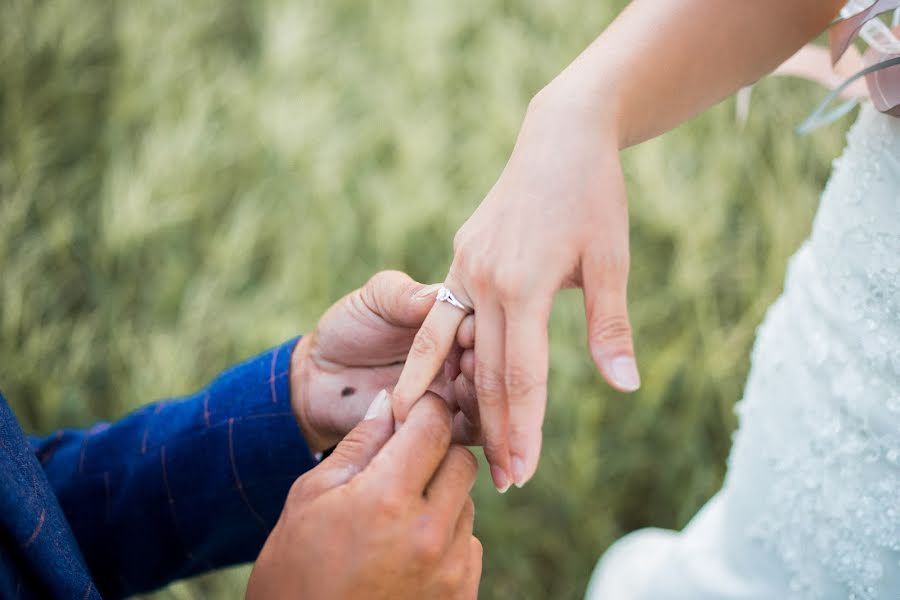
[[357, 348], [385, 516]]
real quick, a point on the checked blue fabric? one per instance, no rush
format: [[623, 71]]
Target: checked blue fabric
[[175, 489]]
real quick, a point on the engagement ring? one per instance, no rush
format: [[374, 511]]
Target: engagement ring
[[445, 295]]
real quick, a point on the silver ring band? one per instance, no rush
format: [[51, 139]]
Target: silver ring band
[[445, 295]]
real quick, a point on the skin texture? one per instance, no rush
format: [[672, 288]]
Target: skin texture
[[558, 217], [386, 516], [357, 349]]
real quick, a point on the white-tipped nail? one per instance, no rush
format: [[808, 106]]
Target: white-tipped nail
[[518, 471], [380, 407], [623, 371], [427, 291], [501, 481]]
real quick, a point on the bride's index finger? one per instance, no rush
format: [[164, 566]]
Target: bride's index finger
[[426, 356]]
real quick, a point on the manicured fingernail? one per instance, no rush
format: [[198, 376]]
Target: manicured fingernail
[[518, 471], [380, 407], [427, 291], [623, 371], [501, 481]]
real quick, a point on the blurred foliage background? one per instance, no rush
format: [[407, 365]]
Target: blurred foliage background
[[183, 184]]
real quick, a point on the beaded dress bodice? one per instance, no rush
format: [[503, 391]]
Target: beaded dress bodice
[[822, 405]]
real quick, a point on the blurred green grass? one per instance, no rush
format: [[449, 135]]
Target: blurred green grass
[[185, 183]]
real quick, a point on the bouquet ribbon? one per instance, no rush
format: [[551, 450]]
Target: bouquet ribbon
[[879, 66]]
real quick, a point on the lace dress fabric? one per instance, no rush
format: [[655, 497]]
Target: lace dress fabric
[[810, 507]]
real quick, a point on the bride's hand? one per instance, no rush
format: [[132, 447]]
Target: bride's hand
[[557, 217]]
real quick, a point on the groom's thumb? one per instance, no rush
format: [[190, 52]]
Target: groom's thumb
[[354, 452]]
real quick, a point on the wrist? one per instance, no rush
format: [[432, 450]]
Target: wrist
[[592, 89], [594, 112]]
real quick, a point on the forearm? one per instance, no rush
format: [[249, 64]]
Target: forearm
[[181, 486], [663, 61]]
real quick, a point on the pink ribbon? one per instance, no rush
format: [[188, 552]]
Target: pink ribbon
[[883, 83], [842, 33]]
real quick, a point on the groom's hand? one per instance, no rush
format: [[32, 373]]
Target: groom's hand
[[382, 518], [358, 348]]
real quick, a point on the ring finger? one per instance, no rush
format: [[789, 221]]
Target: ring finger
[[429, 350]]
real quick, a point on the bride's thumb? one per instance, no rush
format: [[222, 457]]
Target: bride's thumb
[[605, 283]]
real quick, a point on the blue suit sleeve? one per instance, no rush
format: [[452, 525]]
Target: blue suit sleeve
[[181, 486]]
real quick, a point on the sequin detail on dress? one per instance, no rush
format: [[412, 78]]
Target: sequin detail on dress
[[833, 506], [810, 508]]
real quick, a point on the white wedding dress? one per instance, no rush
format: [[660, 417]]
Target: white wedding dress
[[810, 507]]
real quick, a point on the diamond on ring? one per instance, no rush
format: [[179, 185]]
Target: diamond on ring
[[445, 295]]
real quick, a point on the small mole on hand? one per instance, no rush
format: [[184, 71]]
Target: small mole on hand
[[348, 391]]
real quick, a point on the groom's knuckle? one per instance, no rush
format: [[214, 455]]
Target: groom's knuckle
[[461, 464], [296, 492], [436, 431], [381, 284], [476, 548], [431, 541], [466, 461], [454, 574], [299, 491], [610, 328], [389, 505], [377, 280], [393, 304], [467, 516]]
